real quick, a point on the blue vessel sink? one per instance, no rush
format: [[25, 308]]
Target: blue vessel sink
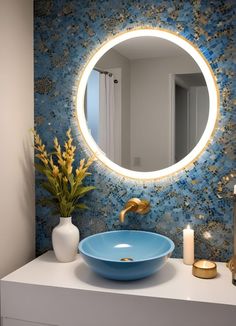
[[126, 255]]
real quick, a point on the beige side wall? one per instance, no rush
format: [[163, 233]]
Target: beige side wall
[[17, 212]]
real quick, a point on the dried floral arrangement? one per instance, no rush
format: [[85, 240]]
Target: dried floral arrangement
[[64, 186]]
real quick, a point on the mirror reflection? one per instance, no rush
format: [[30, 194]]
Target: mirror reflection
[[146, 104]]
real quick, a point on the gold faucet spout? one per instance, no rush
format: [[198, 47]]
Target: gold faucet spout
[[134, 205], [123, 212]]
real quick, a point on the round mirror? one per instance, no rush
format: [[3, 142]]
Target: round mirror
[[147, 103]]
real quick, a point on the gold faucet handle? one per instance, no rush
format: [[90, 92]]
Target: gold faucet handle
[[137, 205], [133, 204], [140, 206], [144, 207]]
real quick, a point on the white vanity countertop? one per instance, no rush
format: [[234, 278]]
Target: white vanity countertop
[[173, 281]]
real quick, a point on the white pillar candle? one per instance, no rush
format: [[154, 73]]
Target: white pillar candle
[[188, 246], [234, 189]]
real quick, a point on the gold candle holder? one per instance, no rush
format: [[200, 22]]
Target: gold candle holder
[[204, 269]]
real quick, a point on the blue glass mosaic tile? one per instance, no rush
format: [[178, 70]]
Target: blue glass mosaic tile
[[65, 34]]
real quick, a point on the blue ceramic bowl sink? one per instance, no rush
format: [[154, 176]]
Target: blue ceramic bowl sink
[[126, 255]]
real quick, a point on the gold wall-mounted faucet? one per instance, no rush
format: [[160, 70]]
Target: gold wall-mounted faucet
[[140, 206]]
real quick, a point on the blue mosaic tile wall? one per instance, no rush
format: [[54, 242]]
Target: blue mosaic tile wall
[[65, 33]]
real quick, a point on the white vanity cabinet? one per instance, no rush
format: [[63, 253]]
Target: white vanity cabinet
[[46, 292]]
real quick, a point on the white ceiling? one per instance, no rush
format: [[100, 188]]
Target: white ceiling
[[148, 47]]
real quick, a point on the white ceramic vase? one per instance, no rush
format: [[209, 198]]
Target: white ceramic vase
[[65, 240]]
